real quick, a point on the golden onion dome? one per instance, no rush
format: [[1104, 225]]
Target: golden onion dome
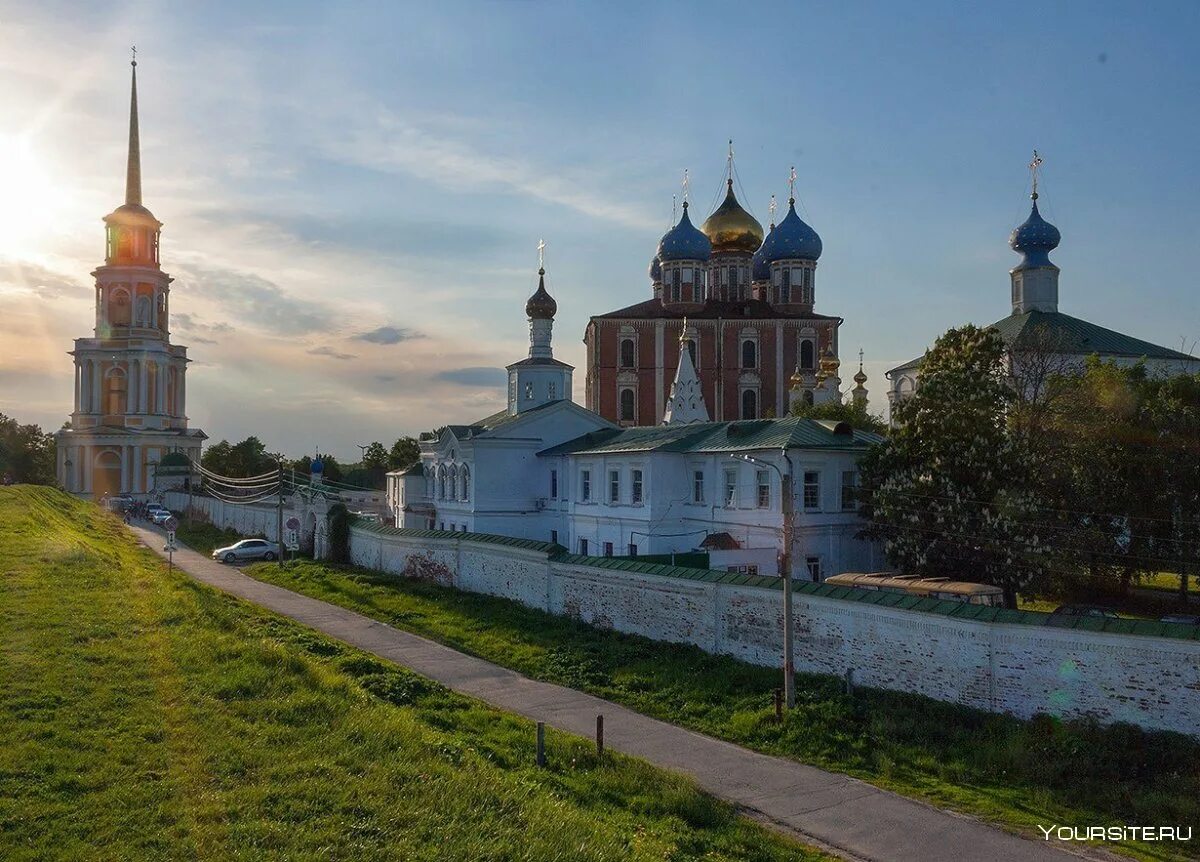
[[731, 228], [829, 363], [796, 380]]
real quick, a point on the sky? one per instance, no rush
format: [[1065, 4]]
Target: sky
[[353, 193]]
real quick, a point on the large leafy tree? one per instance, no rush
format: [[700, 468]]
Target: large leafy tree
[[948, 491], [405, 452], [841, 411], [238, 460], [26, 453]]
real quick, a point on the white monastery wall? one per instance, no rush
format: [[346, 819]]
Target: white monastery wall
[[1012, 668]]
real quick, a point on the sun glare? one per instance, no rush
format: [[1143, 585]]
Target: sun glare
[[30, 196]]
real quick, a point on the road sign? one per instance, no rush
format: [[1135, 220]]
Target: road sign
[[171, 539], [171, 525], [291, 539], [293, 523]]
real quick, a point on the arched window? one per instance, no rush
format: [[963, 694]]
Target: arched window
[[452, 483], [808, 397], [627, 353], [749, 404], [785, 286], [627, 405], [466, 482], [118, 307], [749, 354], [807, 353], [442, 482], [114, 402], [143, 311]]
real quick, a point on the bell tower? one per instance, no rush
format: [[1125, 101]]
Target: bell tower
[[130, 381]]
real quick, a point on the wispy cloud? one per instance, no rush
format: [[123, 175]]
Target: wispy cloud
[[39, 280], [252, 301], [330, 352], [387, 335], [474, 376]]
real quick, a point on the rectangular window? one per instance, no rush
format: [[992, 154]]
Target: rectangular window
[[585, 486], [849, 490], [763, 478], [636, 486], [614, 486], [554, 537], [633, 550], [730, 488], [608, 549], [813, 565], [698, 486], [812, 489], [583, 547], [553, 484]]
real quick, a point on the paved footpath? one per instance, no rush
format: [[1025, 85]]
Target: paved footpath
[[843, 815]]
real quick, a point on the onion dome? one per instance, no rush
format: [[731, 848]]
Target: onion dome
[[684, 242], [1035, 239], [731, 228], [828, 365], [655, 269], [541, 306], [797, 379], [760, 267], [793, 239], [318, 466], [860, 376]]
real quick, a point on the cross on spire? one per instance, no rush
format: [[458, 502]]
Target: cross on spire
[[541, 247], [772, 209], [1034, 167], [792, 185], [687, 188], [133, 59], [673, 199]]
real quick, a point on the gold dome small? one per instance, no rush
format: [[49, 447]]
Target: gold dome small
[[829, 363], [731, 228], [796, 380]]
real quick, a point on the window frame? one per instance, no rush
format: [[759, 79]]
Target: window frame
[[698, 486], [811, 491], [585, 485], [635, 487], [762, 491], [614, 487]]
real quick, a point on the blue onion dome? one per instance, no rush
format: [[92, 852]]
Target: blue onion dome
[[684, 242], [1035, 239], [318, 466], [760, 267], [541, 306], [793, 239], [655, 269], [731, 228]]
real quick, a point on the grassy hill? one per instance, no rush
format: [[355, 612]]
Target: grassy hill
[[144, 716]]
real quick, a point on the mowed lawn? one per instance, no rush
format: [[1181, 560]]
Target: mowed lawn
[[143, 716], [1011, 772]]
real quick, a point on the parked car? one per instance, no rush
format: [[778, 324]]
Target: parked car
[[1184, 619], [160, 516], [1063, 615], [247, 549]]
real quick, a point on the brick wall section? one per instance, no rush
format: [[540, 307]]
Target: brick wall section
[[1013, 668]]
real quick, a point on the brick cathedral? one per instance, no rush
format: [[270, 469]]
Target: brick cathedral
[[742, 304]]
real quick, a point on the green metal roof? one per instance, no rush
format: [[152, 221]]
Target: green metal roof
[[958, 610], [1079, 336], [791, 433]]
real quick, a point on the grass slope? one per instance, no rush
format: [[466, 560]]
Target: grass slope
[[143, 716], [1011, 772]]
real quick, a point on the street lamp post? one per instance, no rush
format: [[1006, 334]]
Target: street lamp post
[[787, 506]]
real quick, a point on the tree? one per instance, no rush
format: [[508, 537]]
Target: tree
[[27, 454], [238, 460], [840, 411], [405, 452], [947, 491]]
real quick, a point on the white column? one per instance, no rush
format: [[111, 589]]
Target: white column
[[181, 396], [125, 456], [77, 393], [143, 387], [85, 464], [162, 389], [97, 397], [136, 453]]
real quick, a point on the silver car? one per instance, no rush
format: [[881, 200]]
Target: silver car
[[247, 549]]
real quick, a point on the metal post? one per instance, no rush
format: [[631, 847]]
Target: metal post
[[779, 705], [279, 523], [541, 743], [789, 664], [600, 736]]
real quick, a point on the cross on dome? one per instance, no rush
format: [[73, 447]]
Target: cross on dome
[[1034, 167]]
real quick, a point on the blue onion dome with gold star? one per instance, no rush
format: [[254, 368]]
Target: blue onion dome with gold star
[[684, 242], [541, 306], [655, 269], [731, 228], [792, 239], [1035, 239], [760, 267]]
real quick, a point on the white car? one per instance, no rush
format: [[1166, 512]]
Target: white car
[[247, 549], [160, 516]]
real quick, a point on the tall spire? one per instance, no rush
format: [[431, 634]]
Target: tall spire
[[686, 402], [133, 170]]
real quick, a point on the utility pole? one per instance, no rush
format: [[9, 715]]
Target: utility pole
[[788, 506], [279, 523]]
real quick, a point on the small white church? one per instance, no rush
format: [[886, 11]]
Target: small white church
[[546, 468]]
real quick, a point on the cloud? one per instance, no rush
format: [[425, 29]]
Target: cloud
[[39, 280], [392, 145], [387, 335], [474, 376], [331, 353], [195, 329], [253, 301]]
